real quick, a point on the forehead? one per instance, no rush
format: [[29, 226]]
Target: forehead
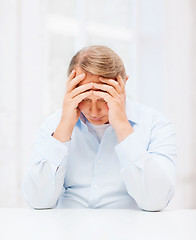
[[89, 77]]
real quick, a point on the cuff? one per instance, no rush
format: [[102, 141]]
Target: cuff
[[56, 152], [131, 151]]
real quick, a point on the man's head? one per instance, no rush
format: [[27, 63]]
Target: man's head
[[98, 60], [95, 62]]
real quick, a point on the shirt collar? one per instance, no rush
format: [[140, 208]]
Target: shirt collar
[[131, 111], [82, 118]]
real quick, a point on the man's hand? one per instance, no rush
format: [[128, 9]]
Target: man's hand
[[73, 96], [115, 96], [70, 112]]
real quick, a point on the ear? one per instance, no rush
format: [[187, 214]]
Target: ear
[[127, 77]]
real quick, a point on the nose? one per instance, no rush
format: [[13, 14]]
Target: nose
[[94, 110]]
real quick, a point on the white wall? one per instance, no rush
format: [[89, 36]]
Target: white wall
[[9, 103], [22, 95], [179, 92], [38, 37]]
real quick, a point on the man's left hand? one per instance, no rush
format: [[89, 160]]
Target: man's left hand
[[114, 94]]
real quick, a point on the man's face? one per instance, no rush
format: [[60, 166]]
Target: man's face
[[94, 108]]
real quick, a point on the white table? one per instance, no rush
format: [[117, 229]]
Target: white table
[[94, 224]]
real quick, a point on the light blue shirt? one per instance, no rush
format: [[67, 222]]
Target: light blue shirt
[[138, 173]]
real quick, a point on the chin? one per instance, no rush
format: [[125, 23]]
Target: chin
[[99, 122]]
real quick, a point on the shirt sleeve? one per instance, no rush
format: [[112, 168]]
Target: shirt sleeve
[[150, 174], [43, 181]]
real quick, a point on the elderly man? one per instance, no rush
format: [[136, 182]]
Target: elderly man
[[101, 150]]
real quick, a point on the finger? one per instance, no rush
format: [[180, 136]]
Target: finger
[[123, 96], [121, 82], [111, 82], [81, 89], [107, 97], [71, 76], [80, 97], [107, 88], [74, 82]]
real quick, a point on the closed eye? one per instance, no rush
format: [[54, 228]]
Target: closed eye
[[101, 100], [86, 100], [89, 100]]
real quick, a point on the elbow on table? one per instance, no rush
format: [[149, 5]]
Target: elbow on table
[[36, 202], [35, 199], [157, 206], [40, 206], [153, 208]]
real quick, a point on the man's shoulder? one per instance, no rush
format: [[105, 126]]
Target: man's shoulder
[[141, 112], [138, 112], [140, 107], [52, 119]]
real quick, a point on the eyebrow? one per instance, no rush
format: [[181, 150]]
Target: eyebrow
[[90, 99]]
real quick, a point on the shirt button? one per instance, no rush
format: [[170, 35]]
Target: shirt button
[[95, 186]]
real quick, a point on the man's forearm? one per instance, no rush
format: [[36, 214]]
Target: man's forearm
[[63, 132], [123, 131]]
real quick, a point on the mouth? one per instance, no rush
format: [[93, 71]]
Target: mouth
[[95, 119]]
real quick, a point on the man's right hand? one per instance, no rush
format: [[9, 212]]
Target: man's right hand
[[70, 112]]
